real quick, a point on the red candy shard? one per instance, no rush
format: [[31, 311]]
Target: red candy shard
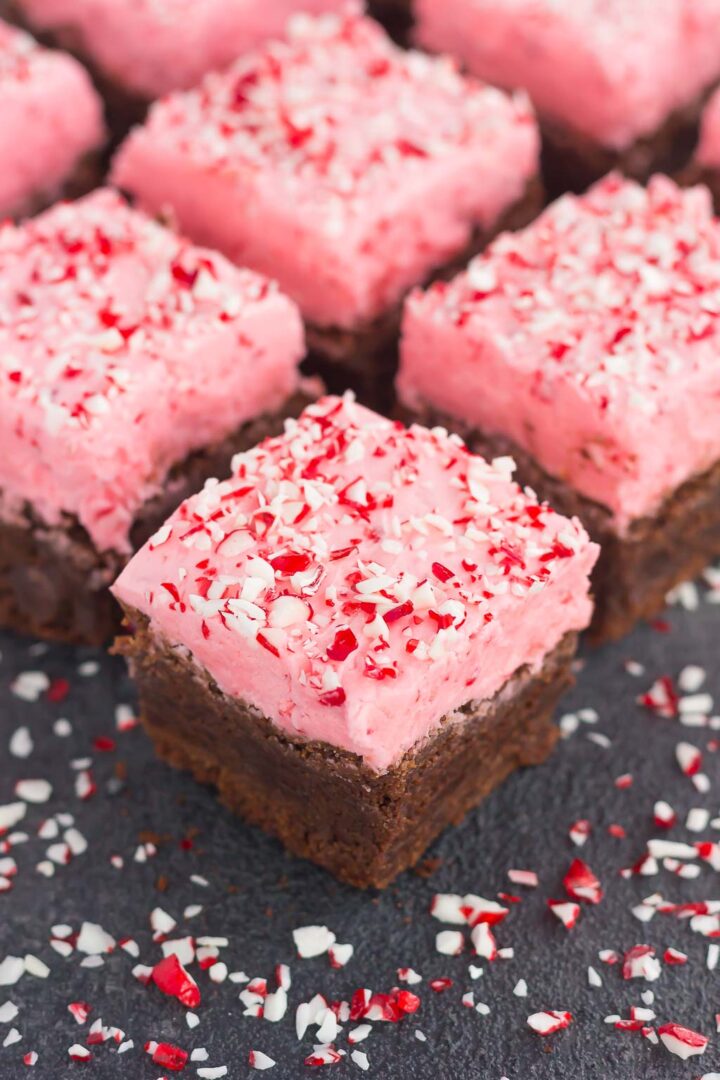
[[172, 979], [333, 697], [168, 1056], [582, 884], [343, 644]]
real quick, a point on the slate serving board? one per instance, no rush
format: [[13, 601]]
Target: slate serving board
[[257, 894]]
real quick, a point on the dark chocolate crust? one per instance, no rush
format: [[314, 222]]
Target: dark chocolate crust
[[635, 571], [365, 359], [325, 804], [54, 582], [572, 161]]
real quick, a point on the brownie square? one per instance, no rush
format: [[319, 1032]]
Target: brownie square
[[132, 365], [51, 125], [586, 346], [617, 84], [344, 167], [137, 52], [357, 635]]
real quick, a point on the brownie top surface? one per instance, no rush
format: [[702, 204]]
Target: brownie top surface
[[351, 568], [590, 338], [104, 317], [150, 47], [617, 290], [608, 70], [336, 110]]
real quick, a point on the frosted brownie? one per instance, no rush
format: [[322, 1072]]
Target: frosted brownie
[[132, 366], [587, 346], [142, 50], [344, 167], [51, 125], [616, 83], [357, 635]]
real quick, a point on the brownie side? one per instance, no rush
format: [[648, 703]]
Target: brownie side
[[572, 161], [53, 580], [324, 803], [365, 359], [635, 571]]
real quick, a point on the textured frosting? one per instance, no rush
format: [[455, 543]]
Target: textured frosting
[[153, 46], [123, 348], [335, 162], [50, 117], [610, 69], [708, 151], [590, 338], [355, 581]]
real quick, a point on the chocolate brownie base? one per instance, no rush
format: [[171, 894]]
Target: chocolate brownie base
[[323, 803], [365, 359], [572, 161], [396, 16], [634, 572], [54, 582]]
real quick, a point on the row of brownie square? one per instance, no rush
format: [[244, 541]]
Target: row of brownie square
[[615, 84]]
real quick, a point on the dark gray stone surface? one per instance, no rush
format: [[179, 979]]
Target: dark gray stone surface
[[257, 895]]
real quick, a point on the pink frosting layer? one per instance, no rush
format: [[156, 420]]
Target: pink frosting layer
[[50, 116], [591, 339], [611, 69], [153, 46], [123, 348], [355, 581], [708, 151], [335, 162]]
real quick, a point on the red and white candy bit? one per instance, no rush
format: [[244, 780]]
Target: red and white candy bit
[[171, 977], [581, 884], [580, 831], [674, 956], [483, 941], [547, 1023], [640, 962], [79, 1054], [682, 1041], [566, 911], [662, 697], [167, 1056], [258, 1060], [466, 910], [80, 1010], [323, 1055], [340, 955], [689, 758], [663, 815]]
